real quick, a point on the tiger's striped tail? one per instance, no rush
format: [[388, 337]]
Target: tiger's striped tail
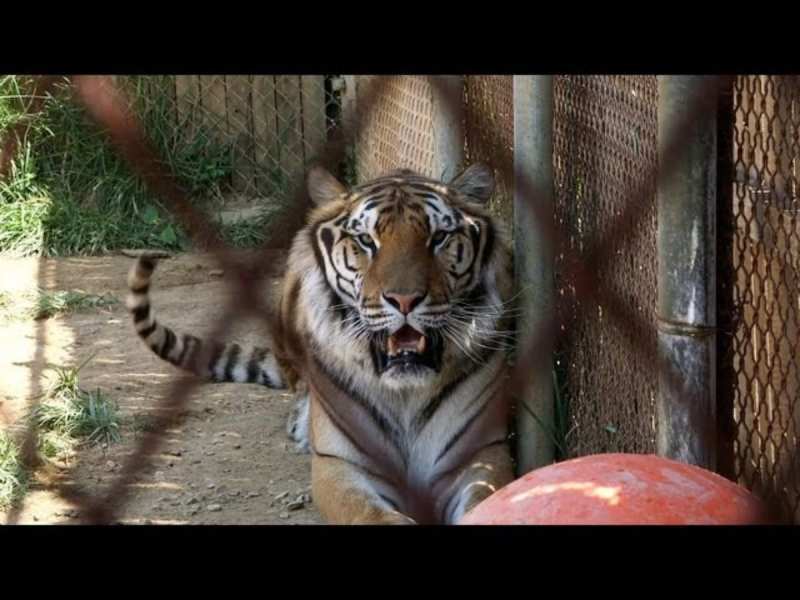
[[212, 360]]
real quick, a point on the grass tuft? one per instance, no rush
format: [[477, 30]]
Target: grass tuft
[[70, 415], [44, 305], [12, 476]]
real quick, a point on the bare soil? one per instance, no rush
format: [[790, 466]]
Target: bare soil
[[229, 461]]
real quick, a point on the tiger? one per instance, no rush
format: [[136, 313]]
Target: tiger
[[399, 290]]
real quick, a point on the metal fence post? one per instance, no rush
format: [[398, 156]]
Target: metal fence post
[[349, 106], [686, 425], [727, 380], [448, 126], [533, 259]]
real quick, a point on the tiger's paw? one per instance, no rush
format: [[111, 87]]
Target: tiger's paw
[[298, 425]]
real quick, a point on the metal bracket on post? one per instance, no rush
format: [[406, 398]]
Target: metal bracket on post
[[448, 126], [686, 426], [533, 259]]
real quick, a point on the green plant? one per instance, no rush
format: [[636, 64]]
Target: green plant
[[348, 167], [43, 304], [12, 474], [559, 432], [71, 415], [68, 191]]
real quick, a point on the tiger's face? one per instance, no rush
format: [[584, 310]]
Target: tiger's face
[[403, 256]]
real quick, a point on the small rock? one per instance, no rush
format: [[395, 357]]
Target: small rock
[[252, 495], [214, 507], [196, 461], [110, 465], [192, 500], [284, 515], [175, 452], [295, 504], [282, 495], [216, 273], [237, 446], [194, 511], [159, 475], [211, 486]]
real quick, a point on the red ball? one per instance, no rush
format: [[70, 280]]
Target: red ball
[[619, 489]]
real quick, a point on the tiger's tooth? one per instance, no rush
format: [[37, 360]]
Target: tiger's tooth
[[391, 346], [421, 344]]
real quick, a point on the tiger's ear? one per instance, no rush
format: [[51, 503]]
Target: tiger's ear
[[476, 183], [323, 187]]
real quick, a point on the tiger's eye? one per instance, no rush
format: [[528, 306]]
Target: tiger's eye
[[365, 239], [438, 237]]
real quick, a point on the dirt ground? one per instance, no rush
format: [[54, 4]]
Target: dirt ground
[[229, 462]]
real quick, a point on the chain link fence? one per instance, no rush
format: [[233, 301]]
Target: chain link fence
[[271, 127], [765, 236], [255, 136], [489, 134], [399, 130], [604, 138]]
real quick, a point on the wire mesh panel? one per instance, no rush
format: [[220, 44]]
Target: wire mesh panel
[[604, 137], [766, 259], [398, 131], [265, 129], [489, 117]]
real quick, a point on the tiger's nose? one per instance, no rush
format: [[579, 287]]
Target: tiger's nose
[[405, 303]]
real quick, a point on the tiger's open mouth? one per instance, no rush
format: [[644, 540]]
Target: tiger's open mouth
[[407, 350]]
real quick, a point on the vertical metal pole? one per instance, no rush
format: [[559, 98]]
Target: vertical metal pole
[[726, 284], [686, 428], [349, 107], [448, 126], [533, 259]]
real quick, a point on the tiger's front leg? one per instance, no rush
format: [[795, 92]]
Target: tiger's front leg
[[489, 470], [344, 495]]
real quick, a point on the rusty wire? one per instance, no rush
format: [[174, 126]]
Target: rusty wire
[[108, 107]]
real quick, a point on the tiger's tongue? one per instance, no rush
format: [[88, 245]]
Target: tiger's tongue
[[405, 339]]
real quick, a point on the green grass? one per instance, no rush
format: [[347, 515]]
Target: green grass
[[12, 475], [69, 192], [70, 416], [560, 431], [43, 304]]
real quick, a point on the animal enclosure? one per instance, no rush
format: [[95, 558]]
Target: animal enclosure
[[609, 157]]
